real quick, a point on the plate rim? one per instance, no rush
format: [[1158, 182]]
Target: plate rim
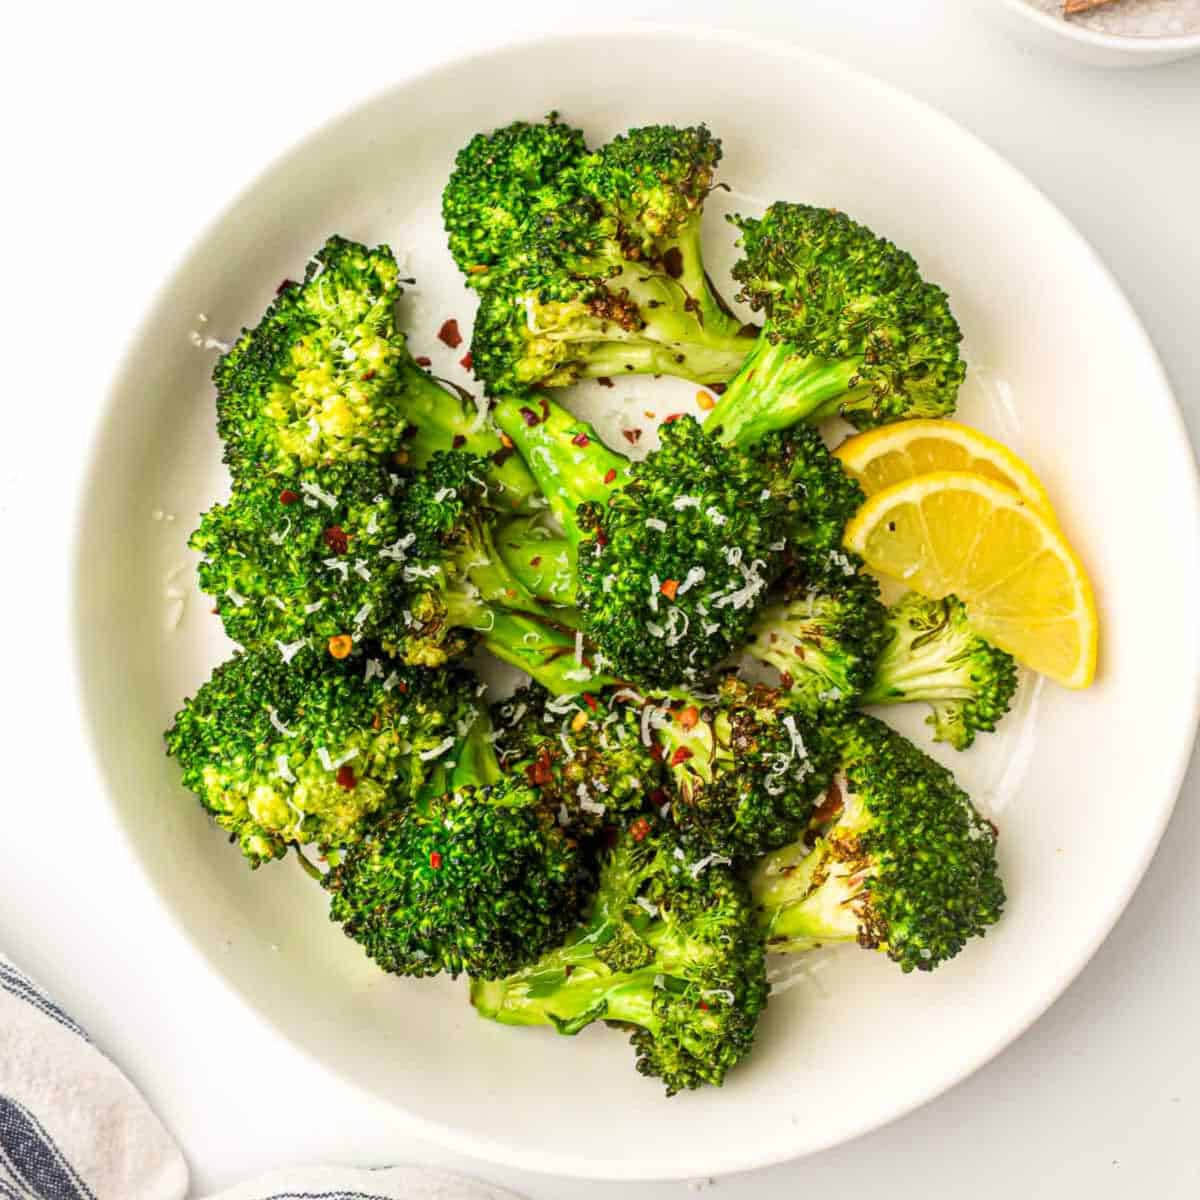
[[540, 1160]]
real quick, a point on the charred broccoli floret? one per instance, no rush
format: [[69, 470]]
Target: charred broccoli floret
[[500, 183], [326, 378], [584, 754], [907, 867], [851, 329], [312, 751], [669, 949], [823, 642], [745, 767], [933, 654], [606, 277], [477, 879]]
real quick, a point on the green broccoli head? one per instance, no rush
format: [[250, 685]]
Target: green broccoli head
[[312, 751], [673, 568], [852, 329], [293, 562], [907, 867], [669, 949], [501, 181], [746, 768], [479, 880], [933, 654], [609, 279], [584, 754], [824, 642]]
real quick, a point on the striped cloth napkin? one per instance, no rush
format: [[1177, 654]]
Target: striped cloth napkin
[[72, 1127]]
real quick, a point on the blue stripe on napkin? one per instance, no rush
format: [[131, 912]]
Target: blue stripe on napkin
[[21, 986], [29, 1156]]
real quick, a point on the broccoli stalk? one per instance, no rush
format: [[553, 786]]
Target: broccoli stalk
[[669, 947], [906, 867], [477, 879], [542, 561], [932, 654], [326, 379], [605, 277], [851, 329]]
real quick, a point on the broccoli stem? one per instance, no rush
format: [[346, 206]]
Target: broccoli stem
[[701, 298], [568, 460], [544, 650], [666, 353], [441, 423], [539, 559], [776, 389]]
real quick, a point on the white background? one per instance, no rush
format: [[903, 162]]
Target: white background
[[125, 129]]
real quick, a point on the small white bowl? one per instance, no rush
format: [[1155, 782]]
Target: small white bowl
[[1084, 45]]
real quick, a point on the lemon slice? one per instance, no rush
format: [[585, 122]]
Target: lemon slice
[[957, 532], [892, 453]]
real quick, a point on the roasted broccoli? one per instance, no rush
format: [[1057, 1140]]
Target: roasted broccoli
[[326, 378], [933, 654], [500, 183], [681, 546], [851, 329], [669, 948], [478, 878], [312, 751], [585, 754], [606, 276], [907, 866], [745, 767], [824, 642]]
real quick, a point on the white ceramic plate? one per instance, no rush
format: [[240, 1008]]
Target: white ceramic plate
[[1086, 782]]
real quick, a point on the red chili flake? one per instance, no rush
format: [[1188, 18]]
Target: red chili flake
[[669, 587], [337, 539], [423, 360], [681, 755], [402, 686], [830, 806], [785, 681], [581, 439], [369, 375], [601, 538], [287, 496], [702, 1006], [345, 777], [658, 797], [435, 860], [604, 381], [529, 417], [640, 829], [632, 436], [589, 700], [656, 752], [672, 417], [717, 389], [536, 561], [689, 717], [458, 441], [610, 475], [540, 772], [466, 361], [449, 334]]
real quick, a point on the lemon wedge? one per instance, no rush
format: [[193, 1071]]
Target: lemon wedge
[[962, 533]]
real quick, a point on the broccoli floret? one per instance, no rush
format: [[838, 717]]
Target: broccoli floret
[[584, 754], [304, 562], [607, 278], [745, 767], [478, 879], [933, 654], [851, 329], [669, 949], [681, 546], [326, 378], [500, 182], [312, 751], [907, 866], [823, 642]]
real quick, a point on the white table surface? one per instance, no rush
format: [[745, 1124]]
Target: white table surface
[[125, 128]]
